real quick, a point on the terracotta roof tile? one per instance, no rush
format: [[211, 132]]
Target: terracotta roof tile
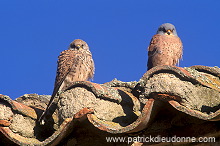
[[167, 100]]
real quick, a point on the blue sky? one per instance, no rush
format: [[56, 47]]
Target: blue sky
[[33, 33]]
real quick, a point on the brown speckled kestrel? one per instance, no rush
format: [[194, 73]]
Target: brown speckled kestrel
[[74, 64], [165, 47]]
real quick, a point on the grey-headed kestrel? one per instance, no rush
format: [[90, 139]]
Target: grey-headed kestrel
[[74, 64], [165, 47]]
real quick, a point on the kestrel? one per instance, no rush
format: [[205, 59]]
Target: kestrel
[[165, 47], [74, 64]]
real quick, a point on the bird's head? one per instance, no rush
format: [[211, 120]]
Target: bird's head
[[167, 29], [78, 44]]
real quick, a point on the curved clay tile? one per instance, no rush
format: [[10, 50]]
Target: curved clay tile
[[167, 101]]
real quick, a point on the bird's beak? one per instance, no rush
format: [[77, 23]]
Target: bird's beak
[[169, 31], [78, 46]]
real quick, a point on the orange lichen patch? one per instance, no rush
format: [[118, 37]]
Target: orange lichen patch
[[82, 113], [207, 76], [103, 125], [210, 81], [97, 86], [184, 71], [26, 110], [164, 96], [5, 123]]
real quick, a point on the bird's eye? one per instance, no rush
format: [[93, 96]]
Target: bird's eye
[[164, 30]]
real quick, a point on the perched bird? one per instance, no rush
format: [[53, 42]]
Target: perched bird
[[165, 47], [74, 64]]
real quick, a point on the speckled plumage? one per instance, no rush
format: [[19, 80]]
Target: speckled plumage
[[74, 64], [165, 47]]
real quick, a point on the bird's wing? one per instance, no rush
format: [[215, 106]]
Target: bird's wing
[[178, 49], [64, 65], [153, 49], [89, 63]]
